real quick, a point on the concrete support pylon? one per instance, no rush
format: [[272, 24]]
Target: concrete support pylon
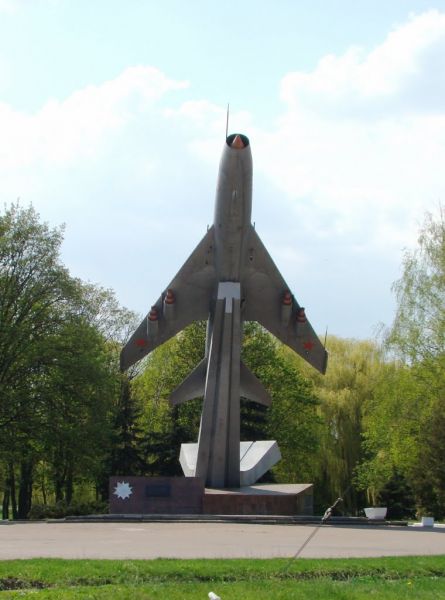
[[218, 459]]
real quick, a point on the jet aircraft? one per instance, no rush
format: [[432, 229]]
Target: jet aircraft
[[229, 278]]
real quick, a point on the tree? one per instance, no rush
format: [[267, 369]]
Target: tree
[[77, 393], [418, 332], [343, 395], [126, 433], [418, 337], [404, 426], [398, 497], [86, 395], [33, 285], [391, 429], [59, 365]]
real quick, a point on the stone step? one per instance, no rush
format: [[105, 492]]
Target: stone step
[[257, 519]]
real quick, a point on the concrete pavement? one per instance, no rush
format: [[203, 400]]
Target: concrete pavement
[[211, 540]]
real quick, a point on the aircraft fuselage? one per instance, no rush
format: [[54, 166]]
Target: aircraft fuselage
[[233, 208]]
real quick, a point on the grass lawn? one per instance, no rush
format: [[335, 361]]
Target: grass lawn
[[375, 578]]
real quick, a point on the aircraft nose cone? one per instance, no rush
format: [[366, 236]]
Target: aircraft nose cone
[[237, 143]]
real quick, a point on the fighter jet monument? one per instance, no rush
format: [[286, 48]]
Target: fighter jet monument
[[229, 278]]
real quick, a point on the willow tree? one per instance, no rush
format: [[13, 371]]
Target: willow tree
[[403, 428], [344, 395], [417, 337]]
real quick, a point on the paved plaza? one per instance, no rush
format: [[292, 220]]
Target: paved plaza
[[211, 540]]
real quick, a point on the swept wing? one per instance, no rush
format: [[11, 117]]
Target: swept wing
[[186, 299], [268, 301]]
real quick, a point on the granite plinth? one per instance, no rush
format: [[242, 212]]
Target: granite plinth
[[187, 496], [156, 495], [273, 499]]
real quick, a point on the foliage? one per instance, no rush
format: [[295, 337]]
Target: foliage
[[398, 497], [58, 366], [343, 395], [418, 331], [61, 509], [405, 422], [125, 456], [164, 428], [291, 418], [34, 286], [391, 428]]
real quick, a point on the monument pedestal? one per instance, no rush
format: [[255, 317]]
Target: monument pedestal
[[270, 499], [187, 496]]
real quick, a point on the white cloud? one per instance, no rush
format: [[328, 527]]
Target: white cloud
[[205, 125], [200, 112], [397, 75], [360, 148], [8, 6], [13, 6], [79, 127]]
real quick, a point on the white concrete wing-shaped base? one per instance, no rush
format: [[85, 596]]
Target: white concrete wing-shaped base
[[256, 458]]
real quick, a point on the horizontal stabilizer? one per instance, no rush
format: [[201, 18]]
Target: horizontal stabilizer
[[252, 388], [192, 386]]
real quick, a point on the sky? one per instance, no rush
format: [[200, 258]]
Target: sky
[[112, 121]]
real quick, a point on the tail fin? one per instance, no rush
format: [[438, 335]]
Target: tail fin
[[193, 385], [252, 388]]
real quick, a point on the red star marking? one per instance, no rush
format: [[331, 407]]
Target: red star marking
[[308, 345], [141, 342]]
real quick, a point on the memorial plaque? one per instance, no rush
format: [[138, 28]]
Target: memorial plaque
[[158, 490]]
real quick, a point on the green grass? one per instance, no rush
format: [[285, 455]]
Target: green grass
[[375, 578]]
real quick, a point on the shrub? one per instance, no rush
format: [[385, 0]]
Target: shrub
[[61, 510]]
